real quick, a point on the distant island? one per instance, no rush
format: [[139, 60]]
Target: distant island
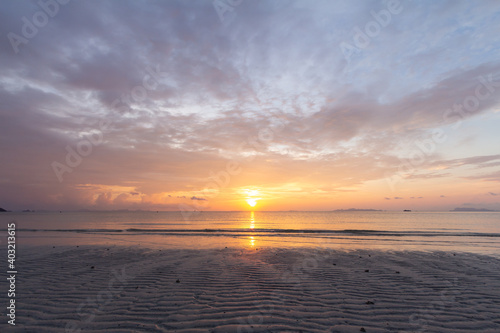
[[458, 209], [357, 210], [3, 210]]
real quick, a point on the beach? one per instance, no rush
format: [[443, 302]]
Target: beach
[[91, 288], [238, 166]]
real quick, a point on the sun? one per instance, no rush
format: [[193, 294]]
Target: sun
[[252, 196], [252, 202]]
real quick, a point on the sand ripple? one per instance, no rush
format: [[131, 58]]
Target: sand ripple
[[121, 289]]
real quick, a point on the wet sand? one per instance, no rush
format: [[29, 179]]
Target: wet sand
[[135, 289]]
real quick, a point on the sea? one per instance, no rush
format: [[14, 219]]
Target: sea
[[475, 232]]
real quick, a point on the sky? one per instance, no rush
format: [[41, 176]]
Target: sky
[[220, 105]]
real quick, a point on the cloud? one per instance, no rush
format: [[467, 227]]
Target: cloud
[[195, 198], [478, 161], [272, 91], [397, 198], [428, 175], [492, 177]]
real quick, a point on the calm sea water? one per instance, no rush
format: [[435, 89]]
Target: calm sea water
[[477, 232]]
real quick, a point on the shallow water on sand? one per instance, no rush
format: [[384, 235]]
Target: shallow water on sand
[[477, 232]]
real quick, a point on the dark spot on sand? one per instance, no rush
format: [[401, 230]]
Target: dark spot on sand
[[367, 270], [92, 267], [178, 281], [334, 264], [362, 329], [369, 302], [397, 272]]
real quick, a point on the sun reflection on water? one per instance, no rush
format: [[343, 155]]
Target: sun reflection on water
[[252, 220], [252, 226]]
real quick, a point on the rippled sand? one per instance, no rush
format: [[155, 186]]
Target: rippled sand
[[133, 289]]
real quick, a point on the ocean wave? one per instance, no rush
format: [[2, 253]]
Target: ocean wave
[[274, 232]]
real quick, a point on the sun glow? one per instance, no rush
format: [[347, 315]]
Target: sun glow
[[252, 196], [252, 202]]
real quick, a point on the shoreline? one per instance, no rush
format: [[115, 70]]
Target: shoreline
[[134, 288]]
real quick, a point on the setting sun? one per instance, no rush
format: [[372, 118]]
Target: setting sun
[[252, 202], [252, 196]]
